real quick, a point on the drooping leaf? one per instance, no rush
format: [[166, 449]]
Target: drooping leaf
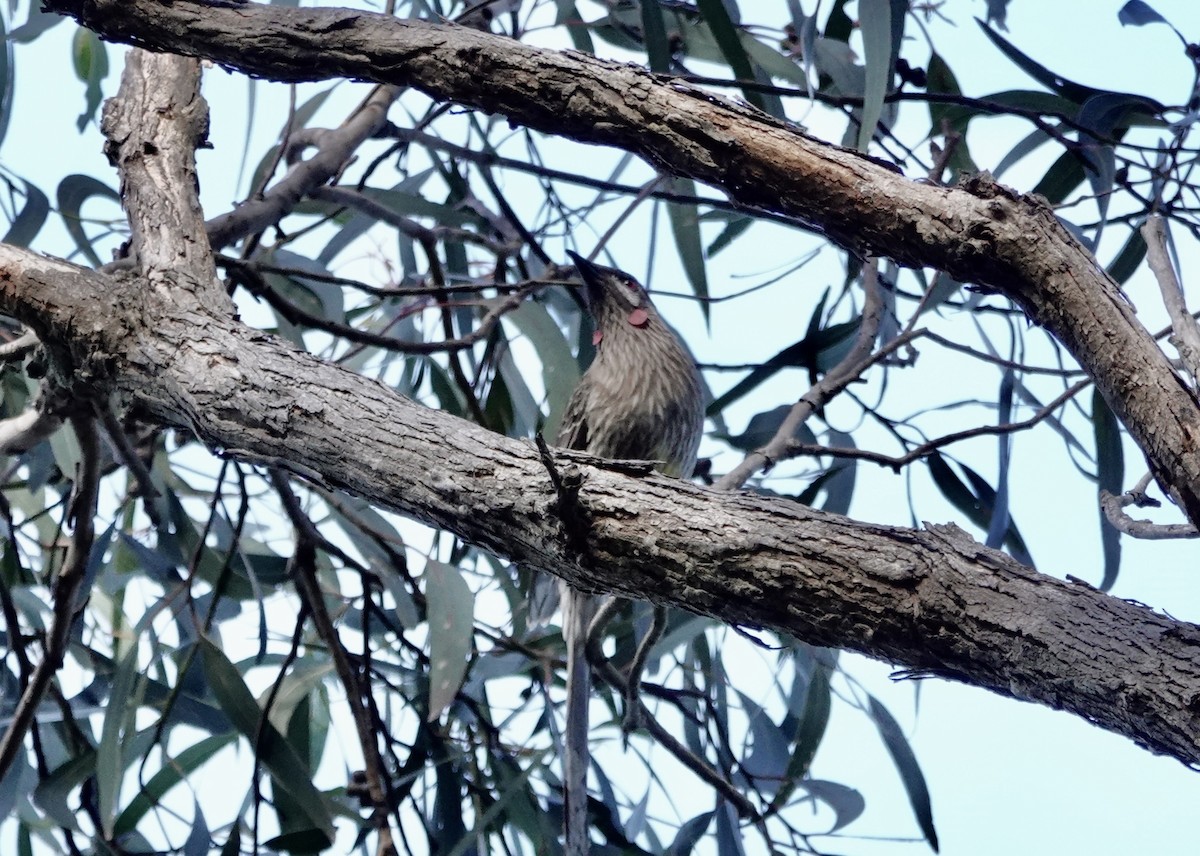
[[763, 426], [1129, 258], [90, 57], [907, 766], [689, 834], [568, 16], [29, 221], [36, 23], [975, 502], [7, 80], [817, 348], [1061, 179], [766, 761], [735, 227], [73, 191], [875, 20], [168, 776], [276, 754], [560, 372], [1069, 89], [118, 724], [685, 227], [401, 198], [998, 527], [658, 52], [846, 803], [1110, 476], [839, 490], [726, 35], [451, 612], [1138, 13]]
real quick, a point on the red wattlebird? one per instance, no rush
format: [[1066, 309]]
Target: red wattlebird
[[641, 399]]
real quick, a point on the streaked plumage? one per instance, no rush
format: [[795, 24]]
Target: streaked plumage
[[640, 399]]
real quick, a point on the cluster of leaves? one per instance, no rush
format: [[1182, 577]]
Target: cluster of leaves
[[191, 646]]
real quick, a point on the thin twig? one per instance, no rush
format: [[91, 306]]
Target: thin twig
[[897, 462], [1114, 509], [308, 587], [1186, 335], [851, 367], [65, 589]]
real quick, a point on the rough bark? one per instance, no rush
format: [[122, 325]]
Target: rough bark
[[934, 601], [978, 233]]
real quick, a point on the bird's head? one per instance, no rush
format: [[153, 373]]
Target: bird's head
[[614, 297]]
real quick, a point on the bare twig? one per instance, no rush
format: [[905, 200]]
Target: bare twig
[[897, 462], [19, 347], [1114, 509], [1186, 335], [308, 587], [65, 590], [336, 148], [858, 360], [27, 429], [613, 677]]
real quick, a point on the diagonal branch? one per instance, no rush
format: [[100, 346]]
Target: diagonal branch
[[932, 600], [981, 232]]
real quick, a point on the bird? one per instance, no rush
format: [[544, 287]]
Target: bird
[[640, 399]]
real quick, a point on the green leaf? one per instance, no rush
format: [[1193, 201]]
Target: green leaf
[[820, 344], [1137, 13], [560, 372], [906, 764], [762, 427], [977, 504], [170, 774], [514, 792], [1129, 259], [1061, 179], [29, 221], [90, 57], [118, 725], [73, 191], [658, 51], [733, 229], [875, 19], [940, 79], [451, 613], [276, 754], [726, 36], [839, 490], [568, 15], [36, 23], [7, 79], [814, 718], [400, 199], [1069, 89], [846, 802], [1110, 476], [685, 226], [689, 835]]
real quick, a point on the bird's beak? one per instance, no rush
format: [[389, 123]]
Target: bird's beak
[[592, 274]]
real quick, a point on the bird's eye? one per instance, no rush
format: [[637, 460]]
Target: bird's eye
[[631, 285]]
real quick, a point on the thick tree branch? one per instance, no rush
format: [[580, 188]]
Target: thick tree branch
[[934, 601], [153, 127], [981, 232]]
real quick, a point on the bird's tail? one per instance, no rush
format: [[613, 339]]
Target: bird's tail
[[578, 611]]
